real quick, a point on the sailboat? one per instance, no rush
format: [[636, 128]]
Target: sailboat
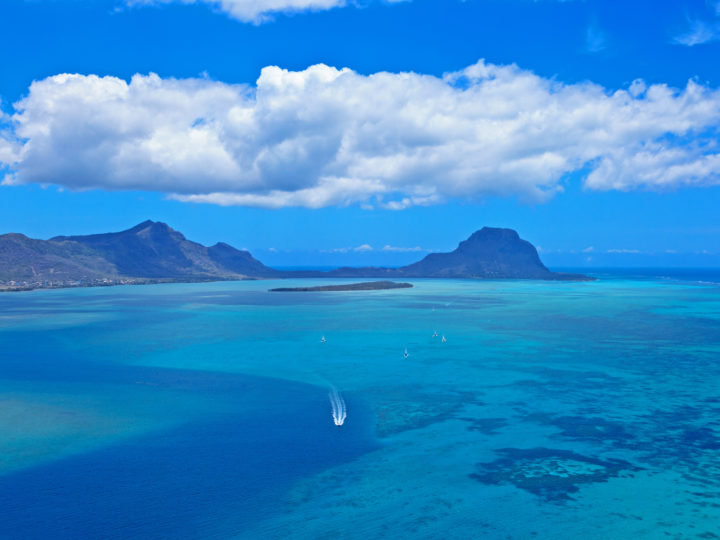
[[443, 339], [406, 354], [435, 334], [323, 340]]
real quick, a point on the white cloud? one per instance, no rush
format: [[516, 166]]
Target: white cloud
[[327, 136], [9, 148], [402, 249], [656, 165], [699, 32], [588, 249], [363, 248], [256, 11], [633, 251]]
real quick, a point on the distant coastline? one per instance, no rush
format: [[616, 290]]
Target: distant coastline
[[153, 252], [364, 286]]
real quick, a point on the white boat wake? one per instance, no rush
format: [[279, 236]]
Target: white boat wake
[[339, 411]]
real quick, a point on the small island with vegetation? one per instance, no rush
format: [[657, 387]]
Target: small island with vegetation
[[365, 286]]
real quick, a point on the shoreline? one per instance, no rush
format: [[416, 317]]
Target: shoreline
[[161, 281], [119, 283]]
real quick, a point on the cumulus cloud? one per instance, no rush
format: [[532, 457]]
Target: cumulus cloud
[[256, 11], [325, 136], [656, 165], [9, 149]]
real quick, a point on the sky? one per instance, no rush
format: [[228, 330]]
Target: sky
[[331, 132]]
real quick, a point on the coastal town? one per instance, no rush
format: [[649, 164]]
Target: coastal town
[[29, 285]]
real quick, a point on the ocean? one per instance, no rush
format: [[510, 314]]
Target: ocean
[[557, 410]]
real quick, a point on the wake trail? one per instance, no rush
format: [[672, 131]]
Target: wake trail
[[339, 410]]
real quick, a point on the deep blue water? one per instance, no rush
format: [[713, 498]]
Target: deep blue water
[[214, 474], [205, 479]]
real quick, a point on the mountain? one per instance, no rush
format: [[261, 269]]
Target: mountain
[[27, 259], [153, 251], [148, 251], [489, 253], [239, 262]]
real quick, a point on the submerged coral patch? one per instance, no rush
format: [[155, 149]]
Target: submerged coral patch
[[549, 473], [405, 408]]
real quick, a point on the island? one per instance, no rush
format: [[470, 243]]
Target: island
[[365, 286]]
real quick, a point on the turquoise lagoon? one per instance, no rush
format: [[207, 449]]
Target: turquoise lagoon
[[553, 410]]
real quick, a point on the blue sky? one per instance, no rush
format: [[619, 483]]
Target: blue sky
[[570, 121]]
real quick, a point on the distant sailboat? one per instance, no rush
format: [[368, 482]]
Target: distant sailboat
[[323, 340], [435, 334], [443, 339], [406, 354]]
